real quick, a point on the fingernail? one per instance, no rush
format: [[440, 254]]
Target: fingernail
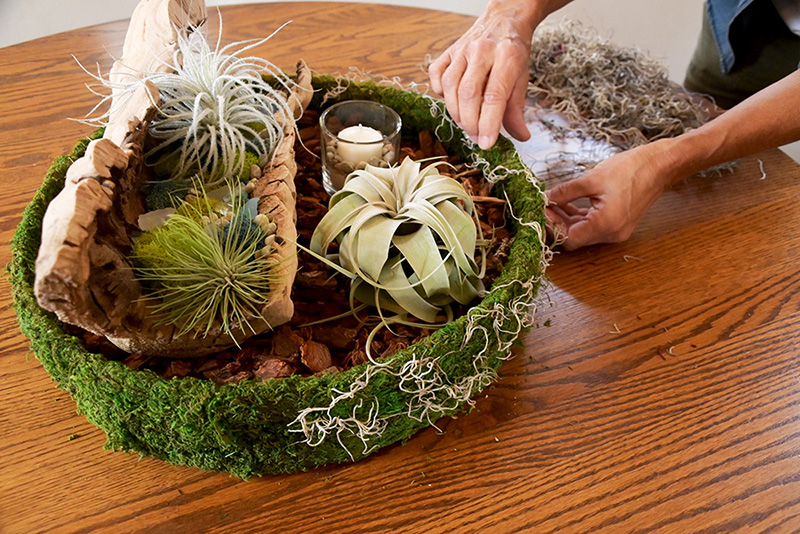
[[485, 142]]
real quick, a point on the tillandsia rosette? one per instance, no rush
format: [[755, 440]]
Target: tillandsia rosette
[[300, 422], [209, 261], [214, 106], [407, 238]]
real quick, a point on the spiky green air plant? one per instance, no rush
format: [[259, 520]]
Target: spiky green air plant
[[408, 238], [207, 265], [214, 107]]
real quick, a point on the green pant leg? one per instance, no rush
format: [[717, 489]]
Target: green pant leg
[[766, 51]]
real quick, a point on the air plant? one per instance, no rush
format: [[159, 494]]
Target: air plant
[[214, 108], [406, 237], [208, 264]]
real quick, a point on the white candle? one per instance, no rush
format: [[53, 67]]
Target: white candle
[[359, 143]]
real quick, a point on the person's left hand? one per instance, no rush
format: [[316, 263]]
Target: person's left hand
[[619, 189]]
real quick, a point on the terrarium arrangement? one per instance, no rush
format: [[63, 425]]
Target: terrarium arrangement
[[186, 276]]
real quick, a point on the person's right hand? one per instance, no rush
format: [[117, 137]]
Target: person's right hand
[[620, 190], [484, 75]]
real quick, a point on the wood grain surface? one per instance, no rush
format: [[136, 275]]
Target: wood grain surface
[[658, 392]]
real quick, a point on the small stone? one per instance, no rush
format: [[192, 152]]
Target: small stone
[[362, 165], [285, 342], [344, 167], [388, 147], [255, 172], [271, 228], [178, 369], [375, 161], [250, 186], [328, 370], [269, 241], [330, 155], [389, 156]]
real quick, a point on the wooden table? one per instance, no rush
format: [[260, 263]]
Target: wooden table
[[659, 391]]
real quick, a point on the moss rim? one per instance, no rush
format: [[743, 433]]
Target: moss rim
[[255, 428]]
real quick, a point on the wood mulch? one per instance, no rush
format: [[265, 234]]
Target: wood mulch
[[331, 346]]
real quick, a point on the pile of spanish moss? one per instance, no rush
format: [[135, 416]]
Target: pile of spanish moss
[[606, 92]]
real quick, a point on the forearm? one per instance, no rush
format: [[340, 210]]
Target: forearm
[[768, 119]]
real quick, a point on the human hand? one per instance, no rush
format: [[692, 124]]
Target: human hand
[[484, 75], [620, 190]]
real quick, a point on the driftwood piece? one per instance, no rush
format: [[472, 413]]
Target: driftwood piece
[[83, 273], [150, 44], [278, 195]]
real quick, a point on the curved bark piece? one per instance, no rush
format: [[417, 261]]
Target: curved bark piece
[[278, 199], [83, 273]]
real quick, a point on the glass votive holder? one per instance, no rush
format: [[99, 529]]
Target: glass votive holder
[[357, 133]]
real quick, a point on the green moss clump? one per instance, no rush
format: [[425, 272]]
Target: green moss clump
[[166, 194], [250, 159]]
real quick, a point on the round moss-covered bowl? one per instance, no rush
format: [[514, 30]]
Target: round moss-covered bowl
[[297, 423]]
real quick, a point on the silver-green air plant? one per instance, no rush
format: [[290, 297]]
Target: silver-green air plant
[[407, 238], [207, 266], [215, 106]]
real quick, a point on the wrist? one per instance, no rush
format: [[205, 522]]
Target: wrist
[[675, 158], [526, 15]]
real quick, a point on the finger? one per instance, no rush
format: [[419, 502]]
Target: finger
[[499, 88], [451, 79], [555, 225], [581, 234], [471, 89], [435, 71], [572, 210], [514, 118], [504, 98], [562, 215], [566, 192]]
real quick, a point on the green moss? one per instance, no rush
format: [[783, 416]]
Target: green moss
[[250, 159], [244, 428], [164, 165], [166, 194]]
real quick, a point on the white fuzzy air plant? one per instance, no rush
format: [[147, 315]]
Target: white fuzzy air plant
[[213, 107], [407, 238]]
